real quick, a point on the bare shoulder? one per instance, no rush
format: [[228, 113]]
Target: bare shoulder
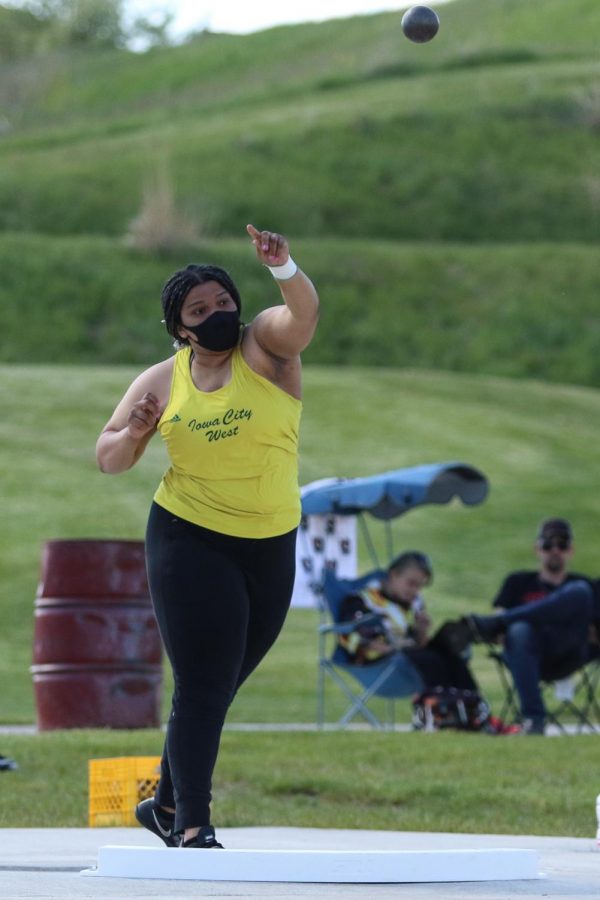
[[160, 376], [155, 380], [286, 373]]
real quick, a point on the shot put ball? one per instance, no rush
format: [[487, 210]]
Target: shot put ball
[[420, 24]]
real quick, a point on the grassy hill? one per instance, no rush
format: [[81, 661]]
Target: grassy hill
[[444, 196], [339, 128], [512, 309], [537, 446]]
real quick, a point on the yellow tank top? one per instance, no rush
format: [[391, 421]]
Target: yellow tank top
[[233, 452]]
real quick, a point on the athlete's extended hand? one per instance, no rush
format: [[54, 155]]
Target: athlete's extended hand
[[143, 416], [272, 249]]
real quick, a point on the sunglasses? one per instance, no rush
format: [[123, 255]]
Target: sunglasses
[[558, 543]]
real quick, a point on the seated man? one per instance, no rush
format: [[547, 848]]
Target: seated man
[[548, 621], [403, 625]]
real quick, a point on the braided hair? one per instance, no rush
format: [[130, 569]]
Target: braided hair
[[178, 287]]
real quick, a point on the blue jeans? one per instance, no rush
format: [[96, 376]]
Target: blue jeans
[[547, 639]]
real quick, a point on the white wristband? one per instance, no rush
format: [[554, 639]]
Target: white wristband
[[287, 270]]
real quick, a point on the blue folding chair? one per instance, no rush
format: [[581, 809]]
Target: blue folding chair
[[384, 497], [392, 678]]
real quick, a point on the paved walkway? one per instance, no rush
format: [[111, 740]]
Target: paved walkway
[[46, 863], [402, 727]]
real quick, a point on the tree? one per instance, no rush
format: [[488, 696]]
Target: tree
[[76, 22], [39, 25], [95, 22], [151, 31], [20, 33]]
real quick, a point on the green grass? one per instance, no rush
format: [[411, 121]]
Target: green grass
[[535, 442], [223, 69], [445, 198], [442, 782], [523, 310], [406, 158]]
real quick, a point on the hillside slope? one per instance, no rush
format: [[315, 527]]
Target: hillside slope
[[340, 128], [520, 310], [445, 197]]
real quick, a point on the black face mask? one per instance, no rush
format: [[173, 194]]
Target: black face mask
[[220, 331]]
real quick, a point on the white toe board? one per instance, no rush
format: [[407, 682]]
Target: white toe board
[[317, 866]]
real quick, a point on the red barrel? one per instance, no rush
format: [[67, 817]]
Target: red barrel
[[97, 650]]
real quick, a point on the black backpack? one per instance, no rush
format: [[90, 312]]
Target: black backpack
[[441, 707]]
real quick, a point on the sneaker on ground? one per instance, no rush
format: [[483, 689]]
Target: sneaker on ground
[[161, 823], [205, 840], [7, 765]]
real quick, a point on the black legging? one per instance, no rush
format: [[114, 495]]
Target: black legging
[[220, 603]]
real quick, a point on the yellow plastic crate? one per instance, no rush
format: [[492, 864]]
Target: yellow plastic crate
[[116, 785]]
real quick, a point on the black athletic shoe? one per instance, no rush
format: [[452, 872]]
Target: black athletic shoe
[[204, 840], [485, 629], [7, 765], [161, 823], [456, 636]]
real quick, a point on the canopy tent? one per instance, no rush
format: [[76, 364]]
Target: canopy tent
[[391, 494], [326, 542]]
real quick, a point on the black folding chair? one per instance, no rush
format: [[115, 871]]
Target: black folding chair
[[578, 702], [582, 701]]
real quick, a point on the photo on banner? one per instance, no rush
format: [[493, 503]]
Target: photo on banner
[[323, 542]]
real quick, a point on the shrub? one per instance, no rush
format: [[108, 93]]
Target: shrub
[[160, 226]]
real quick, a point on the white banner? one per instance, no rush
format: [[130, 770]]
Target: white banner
[[323, 542]]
